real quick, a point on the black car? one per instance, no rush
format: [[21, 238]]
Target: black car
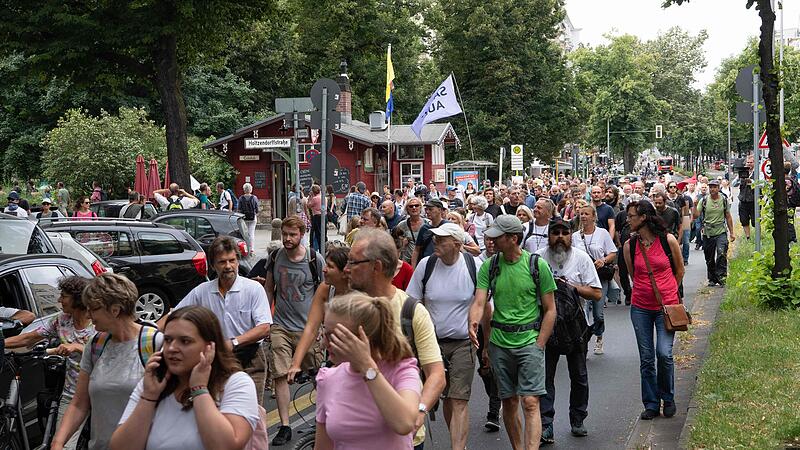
[[20, 236], [111, 208], [164, 262], [30, 282], [206, 224]]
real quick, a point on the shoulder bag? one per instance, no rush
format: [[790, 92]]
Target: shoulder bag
[[676, 317]]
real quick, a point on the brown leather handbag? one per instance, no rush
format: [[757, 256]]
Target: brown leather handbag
[[676, 317]]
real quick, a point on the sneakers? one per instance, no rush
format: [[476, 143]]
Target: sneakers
[[284, 435], [598, 346], [712, 283], [578, 430], [669, 409], [547, 434], [721, 282], [492, 424], [648, 414]]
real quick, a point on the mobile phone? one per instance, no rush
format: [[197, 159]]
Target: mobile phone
[[161, 370]]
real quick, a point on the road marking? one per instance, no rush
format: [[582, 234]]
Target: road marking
[[301, 404]]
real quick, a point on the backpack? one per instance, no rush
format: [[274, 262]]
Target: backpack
[[431, 264], [494, 272], [570, 331], [793, 192], [174, 203], [247, 208], [312, 265], [132, 211], [232, 197], [150, 341], [531, 228]]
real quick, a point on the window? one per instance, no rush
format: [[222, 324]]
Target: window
[[105, 243], [43, 282], [159, 244], [182, 223], [203, 228], [411, 152], [411, 170]]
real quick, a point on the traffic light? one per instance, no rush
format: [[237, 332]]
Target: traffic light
[[659, 133]]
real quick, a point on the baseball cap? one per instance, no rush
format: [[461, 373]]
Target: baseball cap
[[47, 200], [449, 229], [450, 188], [713, 182], [13, 195], [560, 222], [434, 202], [504, 224]]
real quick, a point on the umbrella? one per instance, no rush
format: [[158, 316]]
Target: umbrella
[[153, 180], [140, 180], [166, 175], [682, 184]]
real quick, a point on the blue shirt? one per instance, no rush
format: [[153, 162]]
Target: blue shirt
[[356, 202]]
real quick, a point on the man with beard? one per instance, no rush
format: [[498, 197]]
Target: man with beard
[[577, 268], [371, 264], [605, 213], [239, 303], [293, 275]]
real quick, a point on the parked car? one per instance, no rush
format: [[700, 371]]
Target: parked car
[[206, 224], [66, 245], [164, 262], [111, 208], [30, 282], [20, 236]]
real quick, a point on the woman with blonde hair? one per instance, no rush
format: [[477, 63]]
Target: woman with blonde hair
[[369, 400]]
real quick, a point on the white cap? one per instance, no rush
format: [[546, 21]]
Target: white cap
[[450, 229]]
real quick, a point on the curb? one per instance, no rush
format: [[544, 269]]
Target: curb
[[662, 433]]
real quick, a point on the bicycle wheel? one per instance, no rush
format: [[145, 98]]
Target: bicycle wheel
[[306, 442]]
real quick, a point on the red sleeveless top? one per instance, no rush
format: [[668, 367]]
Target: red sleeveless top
[[643, 295]]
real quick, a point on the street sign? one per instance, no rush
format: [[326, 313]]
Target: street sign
[[517, 152], [744, 112], [763, 143], [293, 104], [334, 92], [301, 133], [744, 82], [267, 143], [334, 120], [766, 169]]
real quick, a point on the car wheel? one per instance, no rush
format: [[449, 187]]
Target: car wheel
[[151, 304]]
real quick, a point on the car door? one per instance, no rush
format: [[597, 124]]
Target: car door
[[115, 246], [166, 263]]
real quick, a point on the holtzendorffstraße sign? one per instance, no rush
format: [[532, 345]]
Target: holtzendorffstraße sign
[[250, 144]]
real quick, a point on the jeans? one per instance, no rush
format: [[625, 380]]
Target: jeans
[[715, 249], [251, 235], [595, 308], [696, 233], [316, 232], [578, 390], [489, 382], [685, 245], [658, 380]]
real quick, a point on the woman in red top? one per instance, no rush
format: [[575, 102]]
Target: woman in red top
[[403, 273], [658, 381]]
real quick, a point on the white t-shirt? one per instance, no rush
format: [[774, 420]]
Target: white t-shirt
[[599, 243], [537, 240], [448, 295], [238, 397], [225, 199], [482, 222], [186, 202], [578, 269]]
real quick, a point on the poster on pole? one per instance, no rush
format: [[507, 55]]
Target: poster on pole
[[465, 177], [516, 157]]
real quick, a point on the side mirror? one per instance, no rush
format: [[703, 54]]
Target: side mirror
[[11, 327]]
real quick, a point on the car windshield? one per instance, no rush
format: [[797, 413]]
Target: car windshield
[[20, 237]]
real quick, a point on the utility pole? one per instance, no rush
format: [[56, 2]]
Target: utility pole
[[730, 169], [757, 166]]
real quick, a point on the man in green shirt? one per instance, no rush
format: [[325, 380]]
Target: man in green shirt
[[715, 210], [521, 324]]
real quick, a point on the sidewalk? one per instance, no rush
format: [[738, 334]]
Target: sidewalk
[[689, 354]]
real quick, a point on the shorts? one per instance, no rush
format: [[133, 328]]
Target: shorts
[[519, 371], [459, 356], [747, 213], [282, 346]]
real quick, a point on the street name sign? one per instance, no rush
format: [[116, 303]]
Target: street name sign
[[250, 144]]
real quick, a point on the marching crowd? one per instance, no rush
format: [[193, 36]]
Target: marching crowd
[[426, 289]]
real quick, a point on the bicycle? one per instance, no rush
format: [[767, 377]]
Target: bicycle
[[306, 440], [13, 432]]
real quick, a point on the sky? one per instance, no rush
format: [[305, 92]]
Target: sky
[[728, 23]]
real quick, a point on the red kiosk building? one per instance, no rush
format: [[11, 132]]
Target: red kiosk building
[[359, 151]]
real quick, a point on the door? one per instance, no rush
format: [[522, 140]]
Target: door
[[279, 184]]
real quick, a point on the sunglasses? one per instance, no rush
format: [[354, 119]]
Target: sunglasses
[[86, 202], [560, 232]]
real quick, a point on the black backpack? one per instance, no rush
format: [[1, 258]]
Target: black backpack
[[793, 193], [312, 266], [431, 264], [246, 207], [570, 331], [133, 211]]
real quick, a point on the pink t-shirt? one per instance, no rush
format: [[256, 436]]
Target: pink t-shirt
[[351, 417], [88, 215], [643, 295], [315, 204]]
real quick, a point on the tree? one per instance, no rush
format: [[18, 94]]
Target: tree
[[616, 81], [511, 71], [769, 82], [131, 45]]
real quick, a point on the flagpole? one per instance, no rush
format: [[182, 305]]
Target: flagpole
[[389, 154], [463, 111]]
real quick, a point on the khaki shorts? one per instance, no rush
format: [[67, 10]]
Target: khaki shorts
[[519, 371], [460, 359], [282, 345]]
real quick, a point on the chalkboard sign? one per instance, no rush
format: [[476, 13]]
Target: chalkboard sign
[[260, 180], [340, 180]]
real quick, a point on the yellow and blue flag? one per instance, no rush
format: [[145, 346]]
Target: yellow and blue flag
[[389, 82]]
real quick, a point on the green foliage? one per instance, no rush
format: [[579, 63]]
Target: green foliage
[[206, 166]]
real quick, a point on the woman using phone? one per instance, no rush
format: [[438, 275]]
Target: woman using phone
[[201, 400]]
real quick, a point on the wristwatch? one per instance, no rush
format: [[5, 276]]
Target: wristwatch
[[234, 342], [370, 374], [422, 408]]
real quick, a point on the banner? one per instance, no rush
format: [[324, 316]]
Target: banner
[[443, 103], [466, 176]]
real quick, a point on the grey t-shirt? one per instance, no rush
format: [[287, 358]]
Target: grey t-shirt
[[111, 381], [294, 289]]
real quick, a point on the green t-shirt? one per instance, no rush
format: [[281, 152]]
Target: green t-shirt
[[714, 217], [515, 297]]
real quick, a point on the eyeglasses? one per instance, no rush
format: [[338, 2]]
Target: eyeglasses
[[350, 262], [560, 232], [86, 202], [412, 206]]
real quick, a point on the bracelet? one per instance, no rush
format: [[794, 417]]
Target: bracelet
[[199, 386], [148, 399], [198, 392]]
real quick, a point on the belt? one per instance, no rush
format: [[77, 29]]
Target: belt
[[450, 340], [515, 328]]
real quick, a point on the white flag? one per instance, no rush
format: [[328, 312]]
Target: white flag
[[443, 103]]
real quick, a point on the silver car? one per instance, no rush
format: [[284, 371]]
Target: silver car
[[69, 247]]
